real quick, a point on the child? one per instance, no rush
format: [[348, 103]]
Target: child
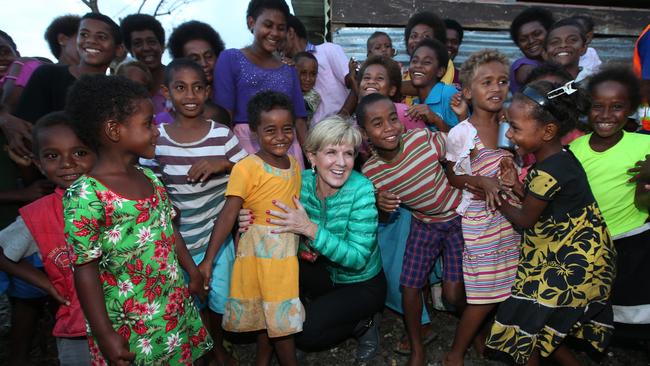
[[118, 224], [433, 104], [135, 71], [264, 286], [380, 44], [62, 158], [193, 159], [491, 244], [406, 169], [567, 258], [455, 34], [307, 67], [565, 43], [606, 155], [589, 60]]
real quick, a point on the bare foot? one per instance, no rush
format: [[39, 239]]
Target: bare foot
[[479, 345], [453, 360], [416, 359]]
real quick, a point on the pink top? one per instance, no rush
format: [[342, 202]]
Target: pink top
[[408, 123], [26, 71]]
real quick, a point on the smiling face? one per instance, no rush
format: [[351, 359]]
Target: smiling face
[[453, 42], [269, 29], [489, 87], [531, 39], [187, 92], [381, 46], [146, 48], [62, 157], [95, 43], [333, 165], [610, 107], [524, 131], [424, 67], [201, 52], [382, 128], [375, 79], [565, 46], [138, 134], [275, 133], [418, 33], [307, 73], [7, 56]]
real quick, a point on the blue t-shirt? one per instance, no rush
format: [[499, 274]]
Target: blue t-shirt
[[439, 100]]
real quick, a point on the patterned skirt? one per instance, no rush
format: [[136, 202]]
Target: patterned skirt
[[264, 284]]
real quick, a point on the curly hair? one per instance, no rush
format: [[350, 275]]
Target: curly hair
[[180, 64], [532, 14], [477, 59], [66, 25], [95, 99], [430, 19], [264, 102], [141, 22], [190, 31], [393, 72], [548, 69], [256, 7], [621, 74], [115, 29], [439, 48], [562, 111]]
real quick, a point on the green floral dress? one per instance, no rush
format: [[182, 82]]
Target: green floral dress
[[565, 271], [146, 297]]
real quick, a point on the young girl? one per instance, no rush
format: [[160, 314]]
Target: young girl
[[606, 155], [242, 73], [491, 244], [118, 224], [193, 158], [307, 67], [565, 43], [566, 267], [264, 286]]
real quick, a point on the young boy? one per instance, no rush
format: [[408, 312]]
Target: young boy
[[307, 67], [433, 104], [406, 169], [380, 44], [193, 158], [62, 158]]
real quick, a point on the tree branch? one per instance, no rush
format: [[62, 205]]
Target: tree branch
[[92, 4], [141, 6]]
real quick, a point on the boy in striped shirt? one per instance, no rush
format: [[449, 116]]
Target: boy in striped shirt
[[193, 158], [407, 169]]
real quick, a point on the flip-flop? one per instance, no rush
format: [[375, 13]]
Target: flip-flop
[[404, 348]]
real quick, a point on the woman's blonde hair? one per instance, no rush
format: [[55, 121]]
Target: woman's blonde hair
[[333, 130], [477, 59]]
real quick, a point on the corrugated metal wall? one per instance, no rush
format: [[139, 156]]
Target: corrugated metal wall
[[353, 40]]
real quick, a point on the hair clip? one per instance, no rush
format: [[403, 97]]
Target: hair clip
[[568, 89], [535, 96]]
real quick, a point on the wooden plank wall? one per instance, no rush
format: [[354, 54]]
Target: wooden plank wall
[[610, 21]]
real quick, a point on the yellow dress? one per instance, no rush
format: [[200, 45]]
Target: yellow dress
[[264, 283]]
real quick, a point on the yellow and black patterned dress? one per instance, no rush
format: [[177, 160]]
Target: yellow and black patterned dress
[[566, 268]]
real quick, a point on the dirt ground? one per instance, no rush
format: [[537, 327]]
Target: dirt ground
[[44, 353]]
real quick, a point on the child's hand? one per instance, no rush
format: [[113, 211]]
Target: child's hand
[[115, 348], [56, 295], [203, 169], [508, 172], [641, 171], [459, 106], [492, 187], [353, 66], [245, 219], [423, 113], [205, 269], [197, 286], [387, 201]]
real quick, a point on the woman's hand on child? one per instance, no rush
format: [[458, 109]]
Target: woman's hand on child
[[459, 106], [387, 201], [292, 220], [203, 169], [245, 219], [115, 348]]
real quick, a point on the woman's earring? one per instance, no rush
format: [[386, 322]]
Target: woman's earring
[[313, 169]]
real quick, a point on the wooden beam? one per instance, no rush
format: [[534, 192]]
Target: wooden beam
[[609, 21]]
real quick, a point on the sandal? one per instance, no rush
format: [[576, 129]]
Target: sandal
[[403, 347]]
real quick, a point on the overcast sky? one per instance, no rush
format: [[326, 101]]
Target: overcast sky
[[25, 20]]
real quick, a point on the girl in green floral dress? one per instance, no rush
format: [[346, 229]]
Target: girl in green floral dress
[[566, 267], [125, 250]]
